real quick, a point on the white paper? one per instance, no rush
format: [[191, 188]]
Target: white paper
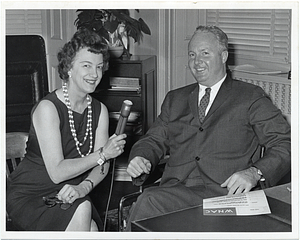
[[251, 203]]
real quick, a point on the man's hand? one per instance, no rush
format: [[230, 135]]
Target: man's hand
[[242, 181], [137, 166]]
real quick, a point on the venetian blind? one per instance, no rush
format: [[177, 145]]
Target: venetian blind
[[24, 22], [262, 34]]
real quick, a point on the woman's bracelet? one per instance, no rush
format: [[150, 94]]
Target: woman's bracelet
[[89, 180], [102, 159]]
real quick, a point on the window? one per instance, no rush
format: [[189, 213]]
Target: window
[[23, 22], [256, 34]]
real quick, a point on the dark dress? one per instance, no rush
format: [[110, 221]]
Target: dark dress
[[30, 182]]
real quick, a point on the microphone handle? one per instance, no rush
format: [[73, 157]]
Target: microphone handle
[[124, 113], [121, 125]]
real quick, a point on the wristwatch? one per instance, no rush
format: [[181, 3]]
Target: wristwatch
[[262, 179], [102, 158]]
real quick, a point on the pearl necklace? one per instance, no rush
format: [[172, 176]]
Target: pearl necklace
[[72, 124]]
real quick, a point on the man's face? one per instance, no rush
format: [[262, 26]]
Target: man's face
[[206, 61]]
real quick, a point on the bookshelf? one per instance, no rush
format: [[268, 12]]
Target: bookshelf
[[131, 79]]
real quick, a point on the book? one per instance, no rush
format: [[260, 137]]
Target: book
[[125, 88], [124, 81]]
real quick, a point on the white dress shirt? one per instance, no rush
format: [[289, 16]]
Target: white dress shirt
[[213, 93]]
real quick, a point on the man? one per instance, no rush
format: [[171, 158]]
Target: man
[[219, 154]]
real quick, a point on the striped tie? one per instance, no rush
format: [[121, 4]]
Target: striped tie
[[203, 104]]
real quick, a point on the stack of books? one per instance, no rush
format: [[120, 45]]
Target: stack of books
[[125, 83]]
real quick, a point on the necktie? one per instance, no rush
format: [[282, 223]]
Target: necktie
[[203, 104]]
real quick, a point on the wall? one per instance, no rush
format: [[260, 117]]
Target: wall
[[43, 22], [170, 32], [155, 44], [149, 45]]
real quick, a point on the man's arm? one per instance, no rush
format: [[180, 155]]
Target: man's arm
[[273, 133], [151, 148]]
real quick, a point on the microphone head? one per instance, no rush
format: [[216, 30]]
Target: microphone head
[[126, 106]]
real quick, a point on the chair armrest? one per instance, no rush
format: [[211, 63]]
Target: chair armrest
[[151, 180], [121, 222]]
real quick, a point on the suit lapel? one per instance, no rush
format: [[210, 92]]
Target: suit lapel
[[193, 102], [223, 94]]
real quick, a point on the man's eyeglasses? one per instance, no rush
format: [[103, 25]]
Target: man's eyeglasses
[[51, 201]]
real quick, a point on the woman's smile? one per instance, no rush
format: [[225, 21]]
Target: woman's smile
[[90, 81]]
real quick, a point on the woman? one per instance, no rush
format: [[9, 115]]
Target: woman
[[68, 143]]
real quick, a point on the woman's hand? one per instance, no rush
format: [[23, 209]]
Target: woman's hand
[[69, 193], [114, 146]]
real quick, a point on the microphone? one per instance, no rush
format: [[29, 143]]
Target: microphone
[[125, 111]]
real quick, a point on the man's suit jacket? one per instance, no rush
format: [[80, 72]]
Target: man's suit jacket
[[241, 118]]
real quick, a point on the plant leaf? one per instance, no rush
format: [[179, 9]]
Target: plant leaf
[[105, 21], [120, 14], [134, 31], [144, 27], [103, 33], [83, 17], [111, 26]]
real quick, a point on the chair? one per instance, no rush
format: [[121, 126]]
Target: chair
[[287, 178], [26, 79], [15, 151], [127, 200]]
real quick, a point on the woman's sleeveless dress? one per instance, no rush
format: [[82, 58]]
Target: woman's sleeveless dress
[[30, 182]]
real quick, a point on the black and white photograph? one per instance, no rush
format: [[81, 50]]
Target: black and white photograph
[[150, 120]]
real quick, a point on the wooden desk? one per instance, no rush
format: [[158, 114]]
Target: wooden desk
[[193, 220]]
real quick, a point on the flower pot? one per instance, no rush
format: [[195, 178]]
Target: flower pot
[[116, 52]]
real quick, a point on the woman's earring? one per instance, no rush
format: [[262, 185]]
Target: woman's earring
[[69, 73]]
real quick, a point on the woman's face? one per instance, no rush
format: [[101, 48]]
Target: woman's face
[[86, 71]]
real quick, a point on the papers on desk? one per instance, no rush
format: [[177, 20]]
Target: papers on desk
[[251, 203]]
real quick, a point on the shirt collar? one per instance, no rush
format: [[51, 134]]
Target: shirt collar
[[216, 86]]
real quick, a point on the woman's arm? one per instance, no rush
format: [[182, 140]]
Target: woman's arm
[[98, 173], [46, 123]]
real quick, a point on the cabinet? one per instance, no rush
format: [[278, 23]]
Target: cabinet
[[135, 80]]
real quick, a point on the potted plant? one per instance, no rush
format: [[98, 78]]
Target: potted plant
[[114, 25]]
